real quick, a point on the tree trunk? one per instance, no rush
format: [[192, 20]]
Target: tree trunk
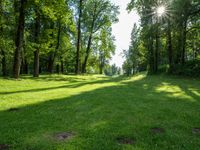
[[151, 55], [52, 55], [156, 53], [40, 69], [101, 66], [50, 64], [89, 41], [36, 52], [3, 62], [58, 68], [184, 42], [87, 54], [62, 66], [102, 62], [169, 47], [77, 67], [19, 40], [25, 67], [36, 63]]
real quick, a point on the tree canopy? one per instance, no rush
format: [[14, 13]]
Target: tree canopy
[[168, 37], [40, 36]]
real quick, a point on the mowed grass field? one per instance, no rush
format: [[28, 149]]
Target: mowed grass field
[[95, 112]]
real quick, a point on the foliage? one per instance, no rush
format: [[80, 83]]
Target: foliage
[[48, 37], [190, 68], [167, 39]]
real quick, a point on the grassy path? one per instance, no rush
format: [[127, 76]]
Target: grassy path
[[100, 113]]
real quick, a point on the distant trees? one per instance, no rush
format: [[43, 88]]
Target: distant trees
[[112, 70], [105, 49], [54, 36], [168, 39], [97, 14]]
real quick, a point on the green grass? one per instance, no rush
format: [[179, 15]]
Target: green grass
[[98, 110]]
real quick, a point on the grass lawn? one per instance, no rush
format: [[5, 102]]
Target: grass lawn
[[100, 113]]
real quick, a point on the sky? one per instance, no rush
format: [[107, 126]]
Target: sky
[[122, 30]]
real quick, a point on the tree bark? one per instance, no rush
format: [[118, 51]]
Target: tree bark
[[36, 63], [57, 68], [169, 47], [25, 67], [89, 41], [151, 55], [87, 54], [36, 52], [102, 63], [3, 62], [52, 55], [62, 66], [19, 40], [184, 42], [50, 64], [156, 52], [77, 67]]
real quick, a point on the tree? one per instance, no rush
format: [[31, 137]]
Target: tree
[[97, 13], [42, 36], [19, 40], [164, 37], [3, 59], [77, 67], [106, 48], [36, 52]]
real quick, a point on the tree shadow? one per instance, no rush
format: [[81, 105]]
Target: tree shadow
[[100, 116], [72, 83]]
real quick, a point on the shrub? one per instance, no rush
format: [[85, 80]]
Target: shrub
[[190, 68]]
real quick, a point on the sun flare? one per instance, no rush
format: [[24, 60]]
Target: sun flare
[[160, 11]]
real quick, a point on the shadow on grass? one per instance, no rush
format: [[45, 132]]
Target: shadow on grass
[[100, 116], [73, 83]]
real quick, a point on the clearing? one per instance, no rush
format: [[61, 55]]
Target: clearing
[[100, 113]]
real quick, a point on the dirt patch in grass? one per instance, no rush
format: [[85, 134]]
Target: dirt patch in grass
[[13, 109], [125, 140], [157, 130], [64, 136], [196, 131], [4, 147]]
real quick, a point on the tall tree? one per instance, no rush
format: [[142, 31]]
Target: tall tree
[[77, 67], [19, 40], [97, 13], [173, 31], [3, 59], [106, 48], [169, 46], [36, 52]]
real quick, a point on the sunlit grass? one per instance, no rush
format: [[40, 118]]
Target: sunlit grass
[[21, 93], [99, 109], [173, 91]]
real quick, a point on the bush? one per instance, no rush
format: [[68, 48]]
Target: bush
[[190, 68]]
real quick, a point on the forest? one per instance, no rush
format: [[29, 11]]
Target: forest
[[69, 37], [62, 88], [65, 36], [168, 38]]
